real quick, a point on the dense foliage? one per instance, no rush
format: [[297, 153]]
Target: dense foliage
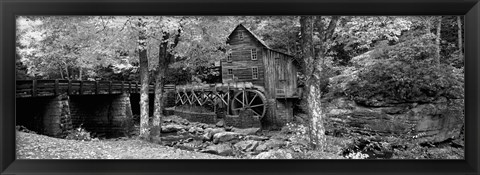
[[406, 72]]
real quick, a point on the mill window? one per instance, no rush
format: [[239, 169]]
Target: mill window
[[254, 54], [229, 57], [254, 73], [240, 35], [230, 71]]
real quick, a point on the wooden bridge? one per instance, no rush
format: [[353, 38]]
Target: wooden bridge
[[53, 107], [34, 88]]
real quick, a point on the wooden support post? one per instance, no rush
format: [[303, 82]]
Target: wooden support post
[[80, 90], [110, 87], [69, 89], [129, 87], [55, 91], [136, 87], [96, 88], [121, 89], [214, 101], [34, 88], [228, 100]]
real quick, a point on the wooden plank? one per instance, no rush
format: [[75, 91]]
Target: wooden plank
[[80, 91], [110, 87], [136, 87], [34, 88], [121, 90], [56, 91], [129, 87], [97, 88], [69, 89]]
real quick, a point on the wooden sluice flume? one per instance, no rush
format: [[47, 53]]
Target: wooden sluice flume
[[232, 97]]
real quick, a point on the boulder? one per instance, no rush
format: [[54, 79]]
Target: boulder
[[428, 122], [274, 154], [220, 123], [191, 146], [246, 131], [256, 138], [171, 128], [195, 130], [247, 145], [225, 137], [271, 144], [177, 119], [223, 149], [436, 123], [167, 120], [209, 132]]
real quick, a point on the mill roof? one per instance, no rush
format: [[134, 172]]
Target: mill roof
[[257, 38]]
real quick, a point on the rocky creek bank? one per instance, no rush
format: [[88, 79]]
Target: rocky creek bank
[[225, 140], [381, 128]]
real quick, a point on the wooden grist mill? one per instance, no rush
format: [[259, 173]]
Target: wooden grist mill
[[257, 82]]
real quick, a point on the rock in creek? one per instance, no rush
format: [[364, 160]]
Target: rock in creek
[[225, 137], [171, 128], [195, 130], [209, 132], [270, 144], [246, 131], [224, 149], [220, 123], [274, 154], [191, 146], [256, 138], [247, 145]]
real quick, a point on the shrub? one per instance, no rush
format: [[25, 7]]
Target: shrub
[[406, 83], [78, 134], [297, 135], [368, 148], [419, 152], [357, 155], [406, 72], [329, 70], [312, 154]]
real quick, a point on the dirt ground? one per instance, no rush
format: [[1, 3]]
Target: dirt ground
[[34, 146]]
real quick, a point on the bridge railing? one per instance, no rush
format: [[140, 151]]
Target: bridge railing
[[33, 88]]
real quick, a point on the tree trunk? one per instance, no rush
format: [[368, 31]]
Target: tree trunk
[[437, 41], [164, 59], [315, 131], [315, 112], [144, 106], [312, 70], [61, 73], [66, 72], [460, 39], [80, 73], [159, 83]]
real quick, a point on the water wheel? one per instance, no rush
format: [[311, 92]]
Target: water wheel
[[252, 100]]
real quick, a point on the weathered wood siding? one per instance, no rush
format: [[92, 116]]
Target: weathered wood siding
[[242, 62], [290, 75], [280, 73]]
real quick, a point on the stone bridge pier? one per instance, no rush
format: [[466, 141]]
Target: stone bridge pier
[[105, 115]]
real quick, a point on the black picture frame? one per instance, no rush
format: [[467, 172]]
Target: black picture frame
[[10, 8]]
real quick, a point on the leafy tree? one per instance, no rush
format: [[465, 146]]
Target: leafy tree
[[200, 40], [312, 61], [406, 72]]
